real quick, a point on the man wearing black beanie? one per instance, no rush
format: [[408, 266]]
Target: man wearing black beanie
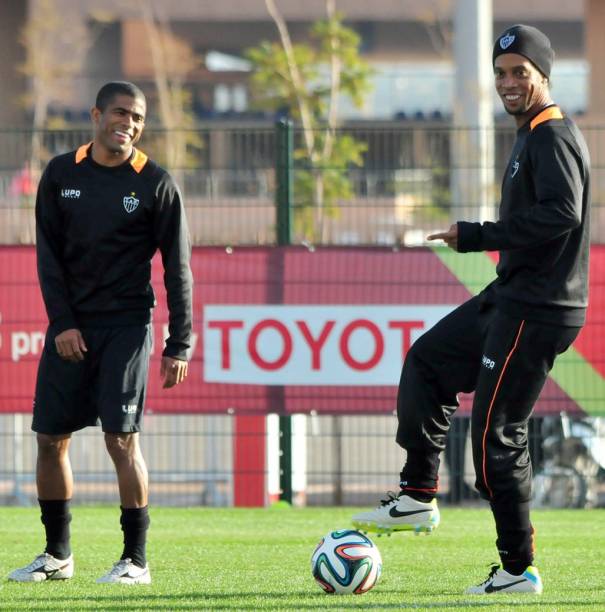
[[502, 343]]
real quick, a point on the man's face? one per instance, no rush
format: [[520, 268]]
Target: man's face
[[520, 85], [119, 127]]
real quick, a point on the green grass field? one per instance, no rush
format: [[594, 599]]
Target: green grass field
[[241, 559]]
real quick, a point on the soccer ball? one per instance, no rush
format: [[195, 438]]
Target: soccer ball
[[346, 561]]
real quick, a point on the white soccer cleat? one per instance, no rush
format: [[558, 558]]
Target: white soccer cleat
[[500, 581], [126, 572], [44, 567], [399, 513]]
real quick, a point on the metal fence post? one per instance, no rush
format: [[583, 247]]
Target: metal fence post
[[283, 172]]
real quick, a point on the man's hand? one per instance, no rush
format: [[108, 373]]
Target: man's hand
[[70, 345], [173, 371], [450, 237]]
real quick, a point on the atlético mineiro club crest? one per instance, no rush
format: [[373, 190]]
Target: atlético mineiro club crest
[[130, 202], [507, 40]]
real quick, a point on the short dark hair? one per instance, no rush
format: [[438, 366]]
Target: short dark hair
[[115, 88]]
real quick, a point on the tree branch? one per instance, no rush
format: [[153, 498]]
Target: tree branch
[[335, 72], [305, 114]]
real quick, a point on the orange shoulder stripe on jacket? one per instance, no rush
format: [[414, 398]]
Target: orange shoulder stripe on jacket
[[82, 152], [552, 112], [138, 160]]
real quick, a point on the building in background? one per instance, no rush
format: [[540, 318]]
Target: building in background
[[407, 42]]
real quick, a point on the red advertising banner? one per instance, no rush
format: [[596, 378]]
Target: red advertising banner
[[288, 329]]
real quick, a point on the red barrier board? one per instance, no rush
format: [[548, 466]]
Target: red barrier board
[[281, 329]]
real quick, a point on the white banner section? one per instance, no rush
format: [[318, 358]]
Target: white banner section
[[312, 345]]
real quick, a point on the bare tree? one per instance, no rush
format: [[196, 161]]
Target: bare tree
[[436, 18], [173, 60], [298, 82], [56, 45]]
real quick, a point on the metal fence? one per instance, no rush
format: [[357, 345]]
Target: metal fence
[[340, 460], [400, 191], [404, 186]]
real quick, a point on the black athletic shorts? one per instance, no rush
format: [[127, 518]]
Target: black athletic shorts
[[109, 385]]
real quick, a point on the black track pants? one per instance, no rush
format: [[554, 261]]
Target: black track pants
[[506, 361]]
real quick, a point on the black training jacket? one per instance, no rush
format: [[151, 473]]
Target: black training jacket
[[543, 232], [97, 229]]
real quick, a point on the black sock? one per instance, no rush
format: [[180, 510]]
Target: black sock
[[515, 568], [56, 518], [135, 523], [515, 536], [420, 496], [419, 475]]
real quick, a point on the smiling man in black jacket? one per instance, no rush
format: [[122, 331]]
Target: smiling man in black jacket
[[502, 343], [101, 213]]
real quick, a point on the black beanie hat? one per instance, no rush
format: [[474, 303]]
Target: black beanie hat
[[529, 42]]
